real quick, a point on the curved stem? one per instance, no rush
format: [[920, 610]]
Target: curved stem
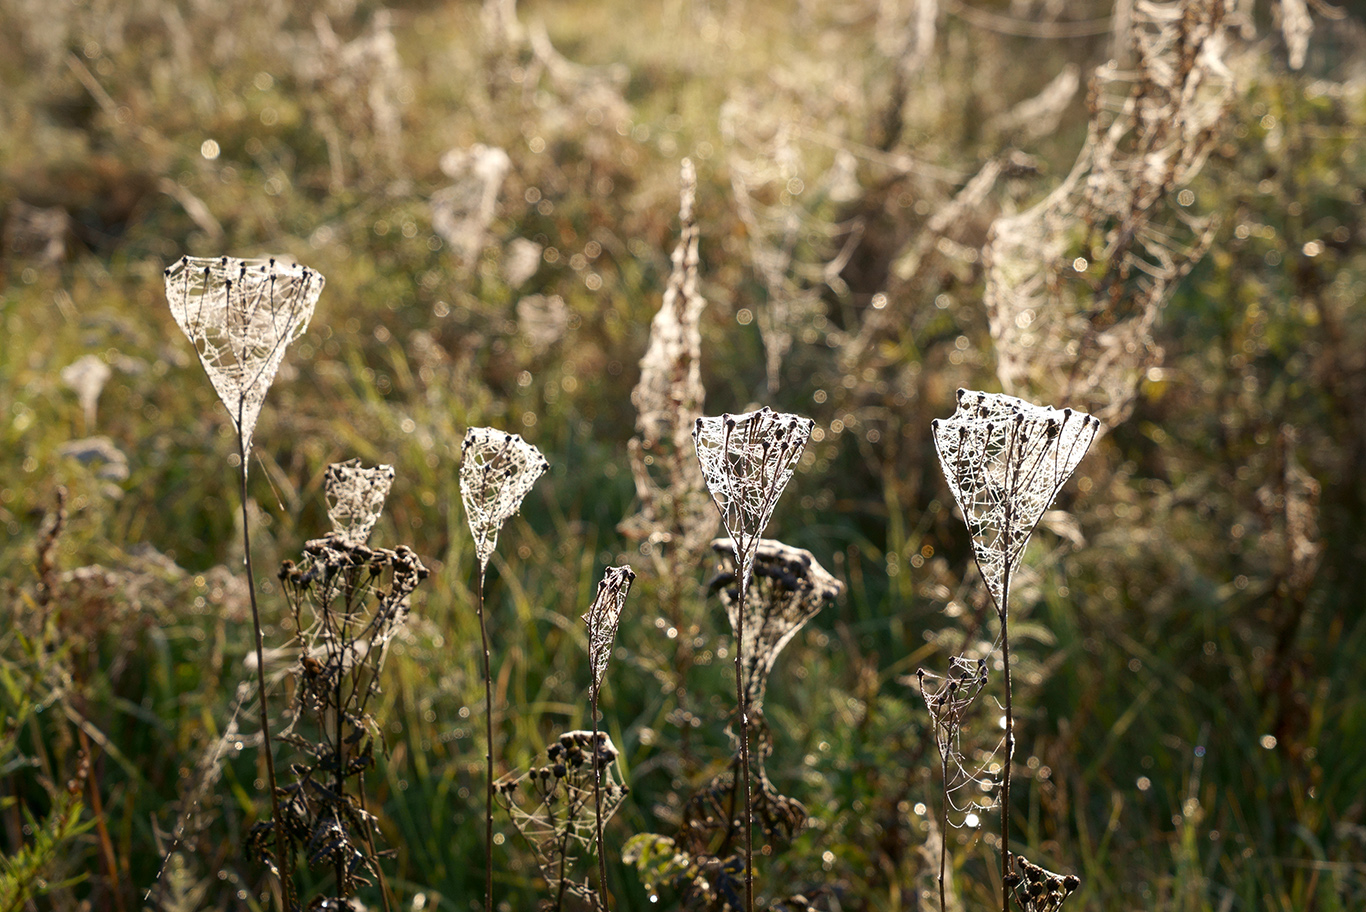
[[286, 877], [488, 756]]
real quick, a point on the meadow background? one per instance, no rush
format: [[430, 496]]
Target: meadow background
[[1189, 633]]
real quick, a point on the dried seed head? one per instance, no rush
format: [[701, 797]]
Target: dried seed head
[[1005, 460], [497, 470], [747, 461], [241, 315], [602, 619], [355, 497]]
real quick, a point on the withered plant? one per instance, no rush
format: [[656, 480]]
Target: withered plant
[[497, 470], [602, 619], [560, 806], [747, 461], [949, 700], [241, 315], [1005, 460], [347, 601]]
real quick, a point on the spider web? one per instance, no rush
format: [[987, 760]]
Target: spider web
[[1076, 284], [1005, 461], [747, 460], [1038, 889], [553, 806], [355, 498], [949, 700], [241, 315], [788, 587], [602, 619], [497, 470]]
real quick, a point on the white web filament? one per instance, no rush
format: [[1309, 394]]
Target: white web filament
[[747, 461], [602, 619], [553, 806], [788, 587], [241, 315], [497, 469], [1005, 461], [949, 700], [355, 498]]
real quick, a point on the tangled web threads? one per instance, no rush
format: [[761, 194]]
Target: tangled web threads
[[553, 808], [1038, 889], [241, 315], [1005, 461], [788, 587], [1075, 284], [949, 700], [355, 497], [747, 460], [497, 469]]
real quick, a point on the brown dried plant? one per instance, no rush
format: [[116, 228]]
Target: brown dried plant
[[241, 315], [1005, 460], [558, 807], [747, 461], [497, 469]]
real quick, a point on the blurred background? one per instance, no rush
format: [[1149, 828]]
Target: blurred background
[[1148, 211]]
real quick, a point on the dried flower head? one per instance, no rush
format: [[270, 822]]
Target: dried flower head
[[747, 461], [497, 470], [355, 497], [949, 700], [1005, 461], [1038, 889], [602, 619], [788, 587], [241, 315], [553, 806]]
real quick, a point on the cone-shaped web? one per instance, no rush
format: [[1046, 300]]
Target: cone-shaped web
[[602, 619], [1005, 460], [788, 587], [747, 461], [355, 497], [241, 315], [497, 469]]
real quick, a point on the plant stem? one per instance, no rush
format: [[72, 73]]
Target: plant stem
[[943, 826], [286, 877], [488, 756], [597, 803], [1010, 736], [742, 698]]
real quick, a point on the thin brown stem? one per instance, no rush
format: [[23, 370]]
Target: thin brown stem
[[488, 755], [281, 860], [1010, 739], [943, 826], [597, 804], [741, 698]]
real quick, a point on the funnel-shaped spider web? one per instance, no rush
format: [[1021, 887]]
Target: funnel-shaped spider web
[[1005, 461], [355, 497], [241, 315], [1039, 889], [747, 461], [602, 619], [788, 587], [497, 470], [553, 808]]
